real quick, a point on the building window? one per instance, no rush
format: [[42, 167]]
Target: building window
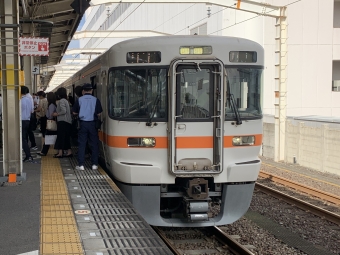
[[200, 30], [336, 76], [336, 16]]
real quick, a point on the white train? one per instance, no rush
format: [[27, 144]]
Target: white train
[[182, 125]]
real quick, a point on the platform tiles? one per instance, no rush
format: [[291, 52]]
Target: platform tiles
[[106, 221]]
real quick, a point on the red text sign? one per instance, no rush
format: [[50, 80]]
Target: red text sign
[[33, 46]]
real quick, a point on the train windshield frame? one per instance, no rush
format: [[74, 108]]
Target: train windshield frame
[[134, 93], [245, 82]]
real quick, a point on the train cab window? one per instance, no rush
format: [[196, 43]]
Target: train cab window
[[137, 93], [195, 93], [245, 83]]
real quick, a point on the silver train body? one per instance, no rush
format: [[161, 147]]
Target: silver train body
[[182, 125]]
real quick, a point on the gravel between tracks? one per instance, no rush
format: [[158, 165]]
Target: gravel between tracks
[[265, 243], [313, 229]]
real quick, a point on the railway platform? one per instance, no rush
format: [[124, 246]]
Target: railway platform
[[60, 210]]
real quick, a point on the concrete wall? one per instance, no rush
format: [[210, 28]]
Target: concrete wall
[[268, 140], [314, 144]]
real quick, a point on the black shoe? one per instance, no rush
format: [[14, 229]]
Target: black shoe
[[28, 159], [41, 154]]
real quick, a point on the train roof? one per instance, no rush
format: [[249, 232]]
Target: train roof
[[169, 47], [195, 40]]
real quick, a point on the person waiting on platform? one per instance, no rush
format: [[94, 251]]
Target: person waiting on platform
[[88, 108], [40, 112], [64, 120], [52, 107], [26, 111]]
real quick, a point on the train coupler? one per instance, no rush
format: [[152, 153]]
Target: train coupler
[[197, 210]]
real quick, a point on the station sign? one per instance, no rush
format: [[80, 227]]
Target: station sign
[[33, 46], [35, 70]]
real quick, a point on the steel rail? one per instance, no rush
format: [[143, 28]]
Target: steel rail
[[335, 218], [232, 244], [170, 245], [298, 186]]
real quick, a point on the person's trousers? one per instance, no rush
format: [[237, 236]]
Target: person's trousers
[[43, 123], [88, 132], [25, 126]]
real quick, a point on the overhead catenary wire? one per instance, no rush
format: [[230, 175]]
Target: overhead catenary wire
[[186, 27]]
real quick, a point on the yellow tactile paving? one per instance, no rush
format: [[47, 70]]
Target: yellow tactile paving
[[58, 232], [56, 208], [57, 221], [61, 248], [55, 229]]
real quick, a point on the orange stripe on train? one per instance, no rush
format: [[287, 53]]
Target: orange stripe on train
[[187, 142]]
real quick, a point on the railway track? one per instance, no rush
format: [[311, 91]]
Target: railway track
[[209, 240], [321, 212], [300, 187]]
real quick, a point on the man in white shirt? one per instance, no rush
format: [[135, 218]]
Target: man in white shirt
[[33, 124], [26, 111]]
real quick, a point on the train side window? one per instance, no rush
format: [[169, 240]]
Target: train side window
[[245, 83], [133, 93]]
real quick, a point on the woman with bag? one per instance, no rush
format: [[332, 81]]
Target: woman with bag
[[64, 120], [50, 130], [40, 113]]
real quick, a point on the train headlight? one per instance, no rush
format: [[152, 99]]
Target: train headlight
[[195, 50], [148, 142], [141, 142], [243, 140]]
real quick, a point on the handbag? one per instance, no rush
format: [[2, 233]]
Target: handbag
[[50, 139], [51, 125]]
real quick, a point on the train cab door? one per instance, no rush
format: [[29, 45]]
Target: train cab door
[[196, 116]]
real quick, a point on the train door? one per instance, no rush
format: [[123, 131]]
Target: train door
[[104, 130], [197, 117]]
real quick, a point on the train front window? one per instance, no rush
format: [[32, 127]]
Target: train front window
[[245, 84], [137, 93], [194, 87]]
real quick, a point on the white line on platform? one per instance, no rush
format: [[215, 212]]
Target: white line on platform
[[30, 253]]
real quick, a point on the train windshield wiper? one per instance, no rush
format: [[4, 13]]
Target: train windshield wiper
[[237, 113], [154, 107]]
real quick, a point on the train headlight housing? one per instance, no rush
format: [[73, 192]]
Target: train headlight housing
[[141, 142], [195, 50], [148, 142], [243, 140]]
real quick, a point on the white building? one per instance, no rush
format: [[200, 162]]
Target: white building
[[313, 69]]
